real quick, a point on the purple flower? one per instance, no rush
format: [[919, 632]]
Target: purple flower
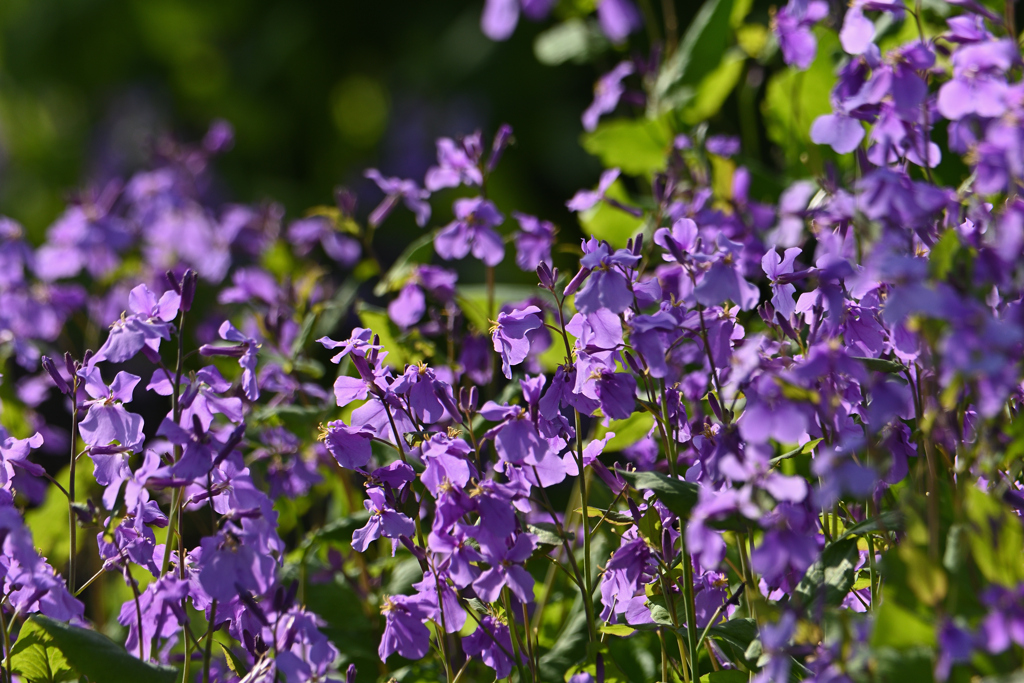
[[616, 392], [146, 327], [245, 350], [724, 282], [782, 292], [956, 645], [475, 359], [404, 631], [506, 569], [408, 307], [200, 398], [792, 25], [107, 421], [29, 582], [1004, 624], [14, 453], [839, 131], [472, 230], [858, 31], [618, 18], [723, 145], [978, 85], [162, 614], [533, 242], [396, 189], [429, 399], [306, 232], [630, 567], [491, 641], [229, 565], [350, 446], [458, 163], [587, 199], [456, 554], [509, 334], [501, 16], [384, 521], [516, 438], [606, 285], [309, 655], [608, 91]]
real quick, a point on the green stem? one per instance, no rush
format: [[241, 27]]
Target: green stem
[[72, 523], [587, 582], [516, 646], [7, 644], [689, 604], [207, 654], [188, 655]]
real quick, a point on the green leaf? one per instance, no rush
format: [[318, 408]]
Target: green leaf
[[832, 576], [381, 325], [881, 365], [940, 260], [547, 534], [99, 658], [605, 222], [737, 632], [793, 99], [609, 516], [418, 251], [574, 40], [996, 538], [735, 636], [637, 146], [627, 432], [570, 645], [700, 51], [678, 496], [897, 627], [339, 531], [472, 299], [890, 520], [650, 525], [725, 676], [49, 522], [617, 630], [712, 92], [806, 449], [928, 581], [35, 658], [235, 663], [908, 664]]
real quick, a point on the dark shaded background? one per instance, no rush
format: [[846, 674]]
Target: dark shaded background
[[317, 90]]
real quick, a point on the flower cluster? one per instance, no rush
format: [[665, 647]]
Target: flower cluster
[[771, 436]]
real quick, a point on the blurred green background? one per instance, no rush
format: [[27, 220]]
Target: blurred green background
[[317, 90]]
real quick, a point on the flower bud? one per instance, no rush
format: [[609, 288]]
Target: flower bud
[[51, 370], [575, 283], [545, 275], [188, 290], [502, 139], [346, 201], [715, 407], [173, 280]]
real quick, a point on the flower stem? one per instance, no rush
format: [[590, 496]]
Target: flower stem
[[72, 524], [209, 642], [7, 644], [587, 581]]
